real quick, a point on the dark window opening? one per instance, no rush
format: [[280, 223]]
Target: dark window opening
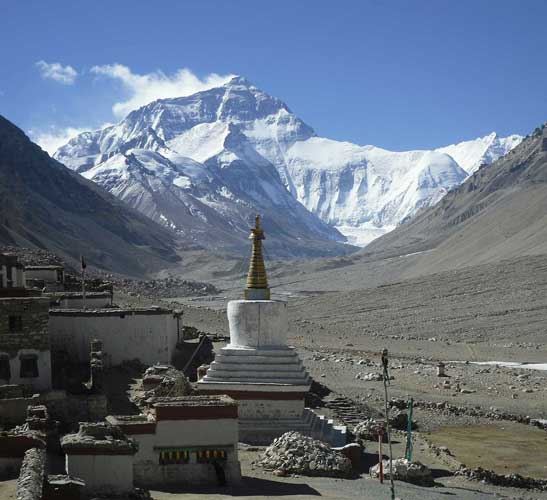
[[210, 456], [29, 366], [15, 323], [5, 370], [169, 457], [59, 276]]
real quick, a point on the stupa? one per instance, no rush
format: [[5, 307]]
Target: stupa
[[257, 368]]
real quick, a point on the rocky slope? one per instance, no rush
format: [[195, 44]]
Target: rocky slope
[[221, 153], [45, 205]]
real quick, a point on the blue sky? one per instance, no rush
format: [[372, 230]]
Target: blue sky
[[398, 74]]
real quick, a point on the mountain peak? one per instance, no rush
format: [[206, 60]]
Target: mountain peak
[[239, 80]]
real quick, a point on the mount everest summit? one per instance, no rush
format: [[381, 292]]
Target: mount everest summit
[[202, 165]]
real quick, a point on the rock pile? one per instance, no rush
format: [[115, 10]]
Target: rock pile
[[369, 430], [161, 381], [295, 453], [403, 470], [513, 480]]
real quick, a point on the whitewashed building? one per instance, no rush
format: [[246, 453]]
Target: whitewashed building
[[147, 334], [188, 440], [12, 272], [51, 276], [102, 456]]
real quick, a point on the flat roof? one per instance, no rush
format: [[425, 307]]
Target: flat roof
[[193, 401], [111, 311], [47, 266]]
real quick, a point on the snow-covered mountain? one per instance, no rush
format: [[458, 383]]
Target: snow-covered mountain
[[470, 155], [213, 158]]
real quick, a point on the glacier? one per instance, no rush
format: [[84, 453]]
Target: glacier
[[210, 160]]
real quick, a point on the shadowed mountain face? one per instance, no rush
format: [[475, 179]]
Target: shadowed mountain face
[[499, 212], [43, 204]]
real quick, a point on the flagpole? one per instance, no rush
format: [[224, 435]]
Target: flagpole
[[83, 281]]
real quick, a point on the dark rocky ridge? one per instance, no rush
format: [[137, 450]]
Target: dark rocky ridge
[[45, 205]]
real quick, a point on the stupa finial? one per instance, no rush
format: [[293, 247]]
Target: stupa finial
[[257, 281]]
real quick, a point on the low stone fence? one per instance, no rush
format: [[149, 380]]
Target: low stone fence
[[31, 478]]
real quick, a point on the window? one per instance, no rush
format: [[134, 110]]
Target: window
[[15, 324], [172, 456], [208, 456], [29, 366], [5, 370]]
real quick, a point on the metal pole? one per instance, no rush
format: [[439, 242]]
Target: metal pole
[[83, 288], [380, 457], [408, 451], [386, 382]]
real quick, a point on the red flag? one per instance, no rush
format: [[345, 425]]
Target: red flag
[[84, 265]]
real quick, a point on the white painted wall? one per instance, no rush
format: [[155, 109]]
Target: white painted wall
[[40, 383], [196, 432], [48, 275], [102, 473], [257, 323], [150, 338], [17, 277], [270, 409]]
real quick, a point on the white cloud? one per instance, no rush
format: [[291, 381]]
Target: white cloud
[[56, 71], [157, 85], [51, 140]]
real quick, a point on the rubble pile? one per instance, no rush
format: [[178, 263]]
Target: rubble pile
[[298, 454], [369, 430], [166, 288], [512, 480], [404, 470], [161, 381]]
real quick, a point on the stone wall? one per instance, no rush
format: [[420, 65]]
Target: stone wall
[[23, 334], [31, 477], [34, 322]]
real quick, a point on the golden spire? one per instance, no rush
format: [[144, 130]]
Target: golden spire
[[257, 282]]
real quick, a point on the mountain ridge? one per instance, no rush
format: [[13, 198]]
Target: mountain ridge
[[44, 204], [499, 212], [361, 190]]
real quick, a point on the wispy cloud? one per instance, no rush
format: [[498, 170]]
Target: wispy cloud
[[65, 75], [51, 140], [157, 85]]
